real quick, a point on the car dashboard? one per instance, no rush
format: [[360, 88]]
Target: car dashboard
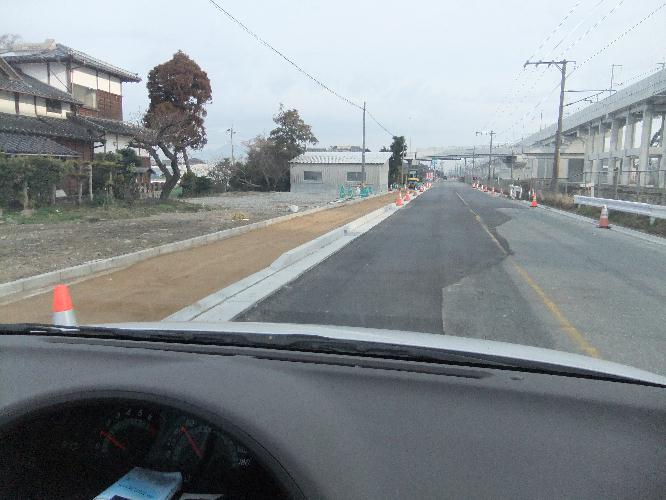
[[76, 413], [76, 451]]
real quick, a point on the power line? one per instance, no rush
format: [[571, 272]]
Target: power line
[[600, 51], [379, 124], [621, 35], [562, 54], [541, 45], [291, 62]]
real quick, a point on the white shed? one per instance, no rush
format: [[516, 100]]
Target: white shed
[[323, 172]]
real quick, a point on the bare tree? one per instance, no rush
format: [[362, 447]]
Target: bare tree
[[7, 41]]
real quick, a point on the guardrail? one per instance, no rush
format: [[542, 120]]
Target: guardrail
[[632, 207]]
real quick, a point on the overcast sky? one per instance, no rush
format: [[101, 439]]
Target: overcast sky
[[435, 71]]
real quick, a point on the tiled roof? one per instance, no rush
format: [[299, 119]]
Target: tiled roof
[[107, 125], [31, 86], [47, 127], [332, 158], [22, 144], [63, 53]]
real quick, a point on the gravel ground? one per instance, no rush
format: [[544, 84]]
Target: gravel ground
[[30, 249], [265, 201]]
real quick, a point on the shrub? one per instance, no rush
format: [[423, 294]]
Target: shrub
[[195, 186], [30, 181]]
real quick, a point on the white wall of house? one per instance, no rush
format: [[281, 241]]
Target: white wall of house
[[27, 105], [58, 76], [85, 77], [54, 74], [43, 111], [116, 142], [99, 80], [35, 70], [7, 104], [115, 86], [335, 175]]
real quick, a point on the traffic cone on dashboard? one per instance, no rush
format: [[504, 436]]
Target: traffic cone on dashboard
[[63, 311], [534, 202], [603, 218]]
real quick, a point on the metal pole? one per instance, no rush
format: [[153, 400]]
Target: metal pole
[[562, 66], [231, 133], [610, 89], [558, 135], [490, 157], [363, 153]]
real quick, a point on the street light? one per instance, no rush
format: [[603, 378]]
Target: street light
[[231, 132], [613, 66], [490, 152]]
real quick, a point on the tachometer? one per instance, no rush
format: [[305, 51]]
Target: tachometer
[[127, 435]]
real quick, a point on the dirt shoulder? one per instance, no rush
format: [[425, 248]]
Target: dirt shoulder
[[67, 236], [158, 287]]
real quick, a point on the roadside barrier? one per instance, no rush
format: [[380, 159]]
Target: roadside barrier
[[630, 207]]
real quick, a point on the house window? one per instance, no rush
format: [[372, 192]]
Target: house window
[[312, 176], [85, 95], [53, 106], [354, 176]]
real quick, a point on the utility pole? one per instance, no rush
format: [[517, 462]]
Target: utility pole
[[562, 66], [363, 153], [610, 89], [231, 133], [490, 152]]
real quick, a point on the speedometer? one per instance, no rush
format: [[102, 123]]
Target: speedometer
[[125, 437]]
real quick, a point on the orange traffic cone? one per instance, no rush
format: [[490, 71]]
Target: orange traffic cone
[[407, 197], [603, 218], [534, 202], [63, 311], [493, 189], [398, 200]]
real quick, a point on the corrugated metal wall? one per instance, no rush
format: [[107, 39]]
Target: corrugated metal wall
[[335, 175]]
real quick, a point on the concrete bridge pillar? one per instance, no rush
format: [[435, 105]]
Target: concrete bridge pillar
[[646, 135], [615, 128], [627, 144], [597, 147], [589, 147], [662, 163]]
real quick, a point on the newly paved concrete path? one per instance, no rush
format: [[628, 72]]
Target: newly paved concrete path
[[460, 262]]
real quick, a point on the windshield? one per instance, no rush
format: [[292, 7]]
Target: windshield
[[484, 170]]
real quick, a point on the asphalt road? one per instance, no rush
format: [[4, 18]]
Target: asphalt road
[[459, 262]]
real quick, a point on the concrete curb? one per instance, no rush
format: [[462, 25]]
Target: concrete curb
[[39, 281], [240, 296]]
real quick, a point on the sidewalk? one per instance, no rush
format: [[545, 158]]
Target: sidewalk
[[158, 287]]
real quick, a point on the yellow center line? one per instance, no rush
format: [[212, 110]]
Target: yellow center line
[[564, 323]]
